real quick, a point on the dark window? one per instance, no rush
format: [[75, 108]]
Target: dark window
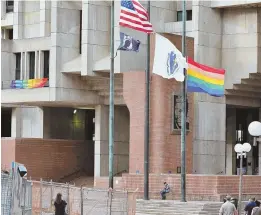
[[80, 31], [10, 34], [179, 16], [6, 120], [177, 109], [31, 65], [9, 6], [188, 14], [17, 66], [46, 64]]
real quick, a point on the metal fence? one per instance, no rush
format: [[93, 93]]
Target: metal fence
[[6, 193], [81, 200], [16, 195]]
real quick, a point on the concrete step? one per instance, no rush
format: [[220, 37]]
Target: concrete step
[[171, 207]]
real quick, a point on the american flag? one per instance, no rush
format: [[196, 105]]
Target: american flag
[[134, 15]]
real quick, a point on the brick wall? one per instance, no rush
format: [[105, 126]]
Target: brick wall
[[52, 159], [7, 152], [164, 146], [199, 187]]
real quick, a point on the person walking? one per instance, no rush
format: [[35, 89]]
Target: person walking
[[228, 208], [250, 205], [256, 210], [59, 205]]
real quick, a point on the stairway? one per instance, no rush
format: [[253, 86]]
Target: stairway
[[170, 207]]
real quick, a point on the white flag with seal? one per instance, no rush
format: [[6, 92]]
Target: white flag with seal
[[168, 60]]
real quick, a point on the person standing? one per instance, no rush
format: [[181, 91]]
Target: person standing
[[228, 208], [59, 205]]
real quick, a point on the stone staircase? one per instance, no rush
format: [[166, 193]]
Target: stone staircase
[[170, 207]]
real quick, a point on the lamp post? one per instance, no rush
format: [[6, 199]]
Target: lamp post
[[241, 151], [254, 129]]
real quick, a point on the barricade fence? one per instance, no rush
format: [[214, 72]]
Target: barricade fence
[[16, 194], [81, 200], [6, 194]]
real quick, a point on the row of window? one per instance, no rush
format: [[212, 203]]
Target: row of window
[[31, 67]]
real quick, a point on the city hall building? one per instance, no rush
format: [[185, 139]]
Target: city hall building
[[55, 95]]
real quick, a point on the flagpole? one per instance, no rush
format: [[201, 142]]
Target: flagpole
[[111, 106], [183, 113], [147, 117]]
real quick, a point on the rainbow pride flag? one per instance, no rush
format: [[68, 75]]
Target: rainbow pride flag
[[29, 84], [202, 78]]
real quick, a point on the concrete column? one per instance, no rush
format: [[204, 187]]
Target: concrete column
[[3, 8], [21, 66], [32, 122], [40, 64], [16, 123], [18, 20], [85, 21], [101, 147], [230, 141], [250, 159], [26, 66], [45, 18], [36, 65], [209, 142]]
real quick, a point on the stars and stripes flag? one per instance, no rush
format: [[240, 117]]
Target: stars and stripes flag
[[134, 15]]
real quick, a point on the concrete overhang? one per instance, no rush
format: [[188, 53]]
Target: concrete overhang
[[235, 3], [22, 96], [48, 95], [74, 66]]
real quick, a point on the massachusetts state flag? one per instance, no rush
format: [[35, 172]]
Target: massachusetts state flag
[[134, 15], [128, 43], [168, 60]]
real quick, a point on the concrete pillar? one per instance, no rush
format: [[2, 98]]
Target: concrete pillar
[[230, 141], [45, 18], [32, 122], [26, 66], [18, 20], [101, 147], [209, 142], [40, 64], [3, 8], [250, 159], [16, 123], [36, 65]]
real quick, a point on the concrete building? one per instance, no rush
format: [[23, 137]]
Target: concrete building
[[68, 43]]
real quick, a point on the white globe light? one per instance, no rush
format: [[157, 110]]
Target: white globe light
[[238, 148], [246, 147], [254, 128]]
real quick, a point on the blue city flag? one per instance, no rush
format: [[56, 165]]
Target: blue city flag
[[128, 43]]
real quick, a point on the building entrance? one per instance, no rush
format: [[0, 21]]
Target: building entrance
[[238, 120]]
